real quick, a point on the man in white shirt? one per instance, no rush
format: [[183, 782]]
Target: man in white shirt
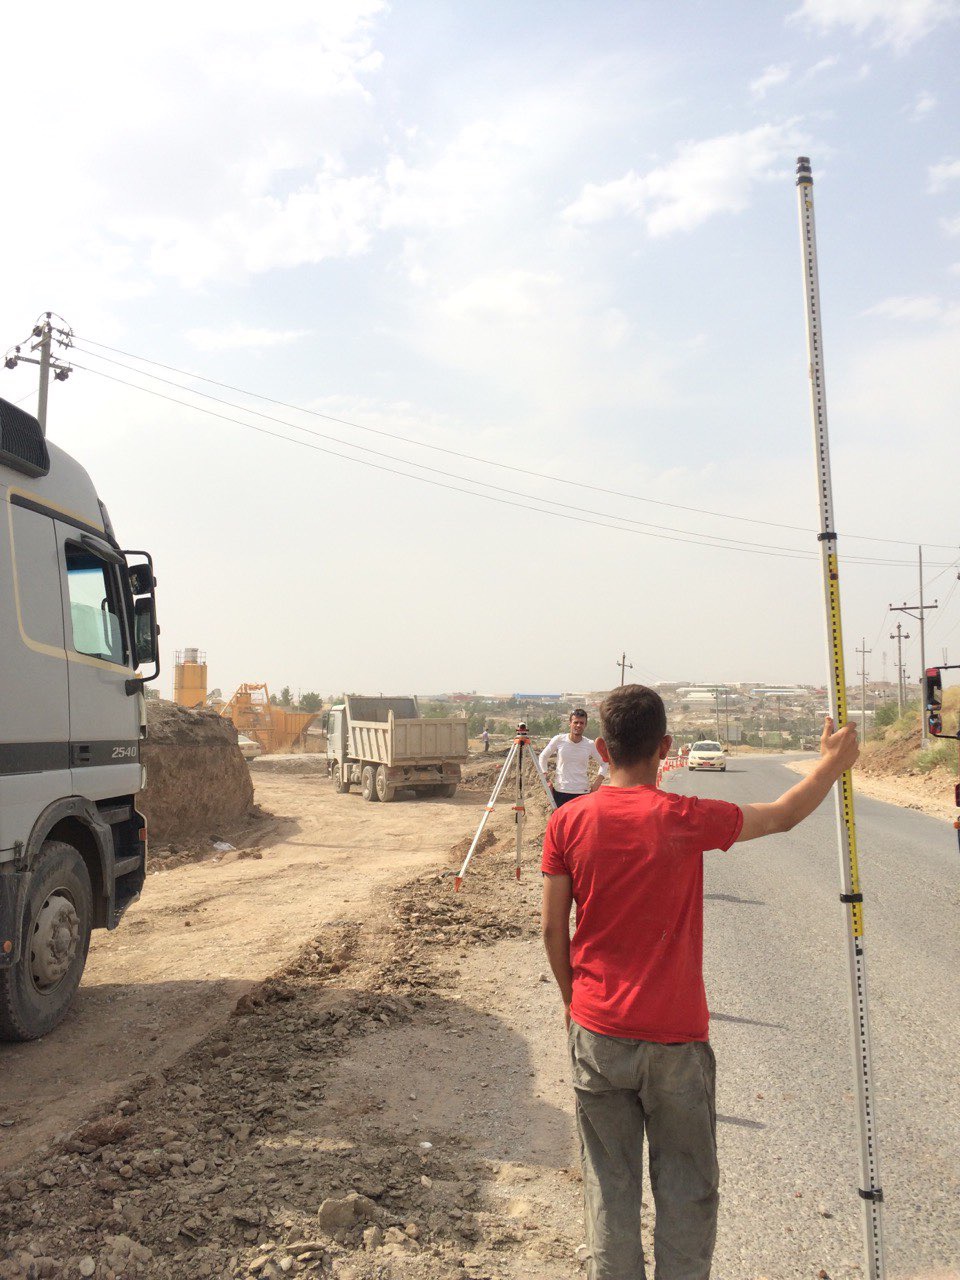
[[574, 753]]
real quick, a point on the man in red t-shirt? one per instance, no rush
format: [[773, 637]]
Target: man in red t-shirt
[[631, 978]]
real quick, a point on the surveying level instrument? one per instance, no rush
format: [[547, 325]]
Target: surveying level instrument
[[851, 896], [933, 719], [520, 750]]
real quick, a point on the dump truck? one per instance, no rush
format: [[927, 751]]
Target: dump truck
[[384, 744], [77, 622]]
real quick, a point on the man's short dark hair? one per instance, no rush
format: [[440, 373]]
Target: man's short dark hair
[[579, 712], [633, 721]]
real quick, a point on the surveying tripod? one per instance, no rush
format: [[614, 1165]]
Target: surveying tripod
[[520, 748]]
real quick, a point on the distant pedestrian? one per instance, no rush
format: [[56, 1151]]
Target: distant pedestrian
[[485, 739], [631, 980], [574, 753]]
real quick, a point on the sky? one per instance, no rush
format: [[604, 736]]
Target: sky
[[503, 306]]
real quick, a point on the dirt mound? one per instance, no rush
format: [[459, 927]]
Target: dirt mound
[[197, 780]]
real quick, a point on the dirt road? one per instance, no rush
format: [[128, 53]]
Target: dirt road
[[203, 933]]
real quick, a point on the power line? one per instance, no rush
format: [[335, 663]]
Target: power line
[[473, 493], [391, 457], [469, 457], [585, 514]]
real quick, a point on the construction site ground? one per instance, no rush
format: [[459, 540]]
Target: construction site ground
[[308, 1056]]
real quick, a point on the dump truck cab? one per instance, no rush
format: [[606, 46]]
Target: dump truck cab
[[77, 620]]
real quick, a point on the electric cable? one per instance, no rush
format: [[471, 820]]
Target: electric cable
[[670, 535], [678, 534], [489, 462]]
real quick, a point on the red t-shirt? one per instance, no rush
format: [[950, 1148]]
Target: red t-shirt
[[635, 858]]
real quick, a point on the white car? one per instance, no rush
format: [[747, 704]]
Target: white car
[[707, 755], [249, 747]]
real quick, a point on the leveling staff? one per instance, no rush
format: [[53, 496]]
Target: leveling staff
[[574, 753], [631, 857]]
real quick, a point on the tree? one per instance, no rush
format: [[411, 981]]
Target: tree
[[310, 702], [286, 698]]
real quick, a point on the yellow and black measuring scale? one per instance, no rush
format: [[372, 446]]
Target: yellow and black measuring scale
[[870, 1191]]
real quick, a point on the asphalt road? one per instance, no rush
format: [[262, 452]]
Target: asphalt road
[[777, 983]]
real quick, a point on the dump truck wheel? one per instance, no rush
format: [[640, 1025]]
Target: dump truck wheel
[[385, 791], [341, 784], [447, 789], [368, 783], [36, 992]]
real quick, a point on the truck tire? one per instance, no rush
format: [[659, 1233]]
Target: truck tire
[[385, 791], [447, 789], [36, 992], [368, 783], [341, 783]]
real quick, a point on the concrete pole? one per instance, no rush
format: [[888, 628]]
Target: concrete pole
[[44, 345], [924, 740]]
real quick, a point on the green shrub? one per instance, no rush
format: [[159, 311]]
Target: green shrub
[[942, 756]]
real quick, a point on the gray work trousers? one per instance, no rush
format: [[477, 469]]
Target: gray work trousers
[[626, 1087]]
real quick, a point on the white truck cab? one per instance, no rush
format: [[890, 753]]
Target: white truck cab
[[77, 620]]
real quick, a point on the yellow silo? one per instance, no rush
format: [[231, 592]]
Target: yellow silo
[[190, 678]]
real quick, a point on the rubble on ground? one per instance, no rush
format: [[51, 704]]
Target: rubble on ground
[[228, 1163]]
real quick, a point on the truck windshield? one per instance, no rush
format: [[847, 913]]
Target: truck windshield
[[94, 606]]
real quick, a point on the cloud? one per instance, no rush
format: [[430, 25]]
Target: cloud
[[919, 307], [941, 175], [238, 336], [499, 295], [769, 79], [899, 23], [923, 106], [716, 175], [950, 226], [824, 64]]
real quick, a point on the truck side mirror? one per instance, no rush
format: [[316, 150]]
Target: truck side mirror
[[146, 634], [933, 711], [933, 700], [141, 579]]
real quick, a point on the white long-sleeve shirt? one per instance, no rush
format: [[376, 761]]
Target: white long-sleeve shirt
[[572, 761]]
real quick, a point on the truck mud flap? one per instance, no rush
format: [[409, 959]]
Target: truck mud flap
[[13, 885]]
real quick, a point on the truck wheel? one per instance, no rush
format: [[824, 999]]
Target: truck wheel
[[385, 791], [447, 789], [341, 783], [368, 783], [35, 993]]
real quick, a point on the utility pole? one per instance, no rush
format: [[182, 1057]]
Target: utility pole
[[716, 698], [899, 635], [41, 339], [779, 726], [624, 666], [863, 651], [918, 611], [726, 711]]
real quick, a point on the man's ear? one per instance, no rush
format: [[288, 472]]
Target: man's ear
[[665, 746], [602, 748]]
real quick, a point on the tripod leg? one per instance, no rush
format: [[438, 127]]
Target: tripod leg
[[511, 756], [519, 810], [540, 778]]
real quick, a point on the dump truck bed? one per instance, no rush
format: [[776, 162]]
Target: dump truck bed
[[408, 741], [390, 731]]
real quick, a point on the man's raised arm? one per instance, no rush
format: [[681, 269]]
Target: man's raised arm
[[838, 753]]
